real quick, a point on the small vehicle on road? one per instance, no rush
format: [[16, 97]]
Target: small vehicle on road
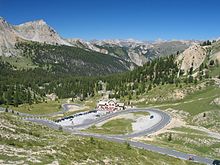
[[191, 157], [216, 162], [151, 117]]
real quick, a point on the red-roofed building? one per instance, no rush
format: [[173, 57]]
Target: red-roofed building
[[110, 105]]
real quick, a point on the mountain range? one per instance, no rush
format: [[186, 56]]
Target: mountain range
[[122, 54]]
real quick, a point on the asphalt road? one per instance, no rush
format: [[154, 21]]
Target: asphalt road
[[149, 147], [165, 119]]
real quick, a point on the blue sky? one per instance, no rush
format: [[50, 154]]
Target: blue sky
[[109, 19]]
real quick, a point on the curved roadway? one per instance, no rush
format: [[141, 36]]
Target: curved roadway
[[165, 119]]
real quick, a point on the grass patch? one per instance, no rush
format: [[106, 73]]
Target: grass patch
[[207, 92], [214, 71], [199, 101], [189, 130], [40, 108], [141, 113], [116, 126], [194, 103], [91, 104], [197, 144], [197, 107], [20, 62], [162, 93]]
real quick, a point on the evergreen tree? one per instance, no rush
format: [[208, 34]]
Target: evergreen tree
[[29, 99], [170, 137]]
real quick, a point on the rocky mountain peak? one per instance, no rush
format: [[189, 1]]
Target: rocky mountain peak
[[40, 31], [40, 22], [2, 19], [3, 23], [37, 23]]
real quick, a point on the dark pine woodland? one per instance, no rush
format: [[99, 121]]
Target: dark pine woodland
[[58, 69]]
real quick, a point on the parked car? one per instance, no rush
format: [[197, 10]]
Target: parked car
[[151, 117], [216, 162], [93, 111]]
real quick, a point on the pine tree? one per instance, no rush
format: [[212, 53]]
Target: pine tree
[[149, 87], [16, 100], [29, 99], [170, 137], [190, 80]]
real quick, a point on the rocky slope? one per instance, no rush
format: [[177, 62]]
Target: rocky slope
[[140, 52], [8, 37], [37, 31], [216, 56], [192, 57], [215, 51], [86, 45], [196, 55], [137, 52]]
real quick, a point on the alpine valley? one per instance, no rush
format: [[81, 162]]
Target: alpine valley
[[106, 102]]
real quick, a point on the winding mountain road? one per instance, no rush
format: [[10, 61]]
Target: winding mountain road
[[165, 119]]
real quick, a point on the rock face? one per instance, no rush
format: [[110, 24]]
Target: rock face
[[216, 101], [140, 52], [39, 31], [31, 31], [192, 57], [216, 57], [215, 52], [131, 50], [8, 37], [86, 45]]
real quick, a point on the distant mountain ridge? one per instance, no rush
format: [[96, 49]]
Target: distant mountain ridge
[[137, 52], [123, 54]]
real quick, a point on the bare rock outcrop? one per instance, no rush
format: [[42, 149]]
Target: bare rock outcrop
[[37, 31], [8, 38], [216, 101], [192, 57]]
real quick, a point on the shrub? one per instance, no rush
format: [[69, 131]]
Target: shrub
[[128, 146]]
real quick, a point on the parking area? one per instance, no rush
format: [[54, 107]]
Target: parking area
[[80, 118]]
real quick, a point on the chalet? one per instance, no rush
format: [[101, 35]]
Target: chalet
[[110, 105]]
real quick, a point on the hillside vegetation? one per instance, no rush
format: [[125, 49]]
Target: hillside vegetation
[[16, 89], [24, 142], [67, 59]]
